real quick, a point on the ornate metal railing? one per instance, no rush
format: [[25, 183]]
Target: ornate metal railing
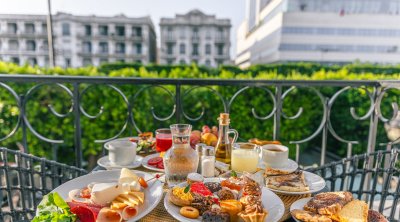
[[177, 90]]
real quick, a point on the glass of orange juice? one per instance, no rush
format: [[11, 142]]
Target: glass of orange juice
[[244, 157]]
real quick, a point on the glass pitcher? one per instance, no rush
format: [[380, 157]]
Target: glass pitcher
[[180, 159]]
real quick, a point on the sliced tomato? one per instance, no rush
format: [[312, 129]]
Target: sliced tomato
[[85, 193], [160, 165], [155, 160], [143, 182]]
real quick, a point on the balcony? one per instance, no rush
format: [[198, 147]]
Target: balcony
[[169, 38], [136, 38], [195, 39]]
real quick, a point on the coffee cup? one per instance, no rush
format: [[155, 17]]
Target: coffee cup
[[275, 156], [121, 152]]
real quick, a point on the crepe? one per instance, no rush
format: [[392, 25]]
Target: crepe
[[307, 216], [293, 182], [329, 203]]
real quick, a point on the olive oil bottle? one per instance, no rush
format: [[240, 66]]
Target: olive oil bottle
[[224, 145]]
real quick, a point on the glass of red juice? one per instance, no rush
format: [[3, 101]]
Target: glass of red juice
[[163, 139]]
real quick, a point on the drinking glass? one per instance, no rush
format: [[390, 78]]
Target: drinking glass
[[244, 157], [163, 139]]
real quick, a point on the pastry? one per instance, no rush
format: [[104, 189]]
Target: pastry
[[178, 197], [272, 172], [263, 142], [355, 211], [215, 215], [202, 203], [329, 203], [213, 186], [251, 187], [226, 194], [246, 200], [375, 216], [254, 213], [194, 177], [293, 182], [307, 216], [189, 212], [233, 207]]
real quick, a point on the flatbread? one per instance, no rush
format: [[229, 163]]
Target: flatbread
[[307, 216], [293, 182]]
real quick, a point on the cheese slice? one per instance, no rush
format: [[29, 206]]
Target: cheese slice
[[131, 198], [127, 176], [104, 193], [139, 195]]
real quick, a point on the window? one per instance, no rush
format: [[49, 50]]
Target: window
[[120, 30], [103, 30], [182, 49], [15, 60], [195, 48], [182, 33], [170, 61], [44, 28], [120, 48], [87, 62], [12, 28], [137, 31], [32, 61], [87, 47], [208, 62], [13, 45], [29, 28], [88, 30], [138, 47], [220, 32], [182, 62], [208, 49], [170, 48], [220, 49], [195, 32], [45, 45], [30, 45], [219, 61], [67, 62], [103, 47], [66, 29]]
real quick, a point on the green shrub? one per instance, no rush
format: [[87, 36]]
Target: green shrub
[[113, 118]]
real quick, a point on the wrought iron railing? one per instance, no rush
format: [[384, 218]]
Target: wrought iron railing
[[177, 90]]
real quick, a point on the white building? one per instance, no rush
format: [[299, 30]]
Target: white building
[[78, 40], [327, 31], [195, 37]]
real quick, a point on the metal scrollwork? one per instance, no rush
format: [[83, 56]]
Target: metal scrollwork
[[16, 127], [51, 109], [101, 110], [155, 116], [187, 92], [299, 112], [253, 109], [378, 111]]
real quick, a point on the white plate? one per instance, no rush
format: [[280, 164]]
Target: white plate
[[105, 162], [290, 167], [150, 167], [271, 202], [298, 205], [153, 193], [314, 182]]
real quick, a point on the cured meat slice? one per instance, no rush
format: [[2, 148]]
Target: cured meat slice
[[109, 215], [200, 188], [85, 212]]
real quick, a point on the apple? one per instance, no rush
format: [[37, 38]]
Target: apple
[[206, 129], [214, 130]]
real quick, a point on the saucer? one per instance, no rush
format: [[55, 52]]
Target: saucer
[[105, 162], [290, 167]]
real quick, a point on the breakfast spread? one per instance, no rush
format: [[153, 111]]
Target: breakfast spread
[[99, 201], [292, 182], [219, 201], [336, 206]]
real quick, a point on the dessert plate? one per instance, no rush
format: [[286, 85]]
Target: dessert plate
[[271, 202], [290, 167], [150, 167], [314, 182], [105, 162], [153, 193], [298, 205]]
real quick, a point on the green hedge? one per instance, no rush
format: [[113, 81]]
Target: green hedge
[[111, 121]]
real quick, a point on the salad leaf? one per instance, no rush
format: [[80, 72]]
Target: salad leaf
[[53, 209], [187, 188]]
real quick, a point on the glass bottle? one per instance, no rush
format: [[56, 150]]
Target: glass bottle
[[224, 145], [180, 159]]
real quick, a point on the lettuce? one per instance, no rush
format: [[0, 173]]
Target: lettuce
[[53, 209]]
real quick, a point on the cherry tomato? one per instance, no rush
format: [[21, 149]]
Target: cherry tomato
[[155, 160], [143, 182], [85, 193]]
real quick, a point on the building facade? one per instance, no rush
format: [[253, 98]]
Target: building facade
[[78, 40], [195, 38], [326, 31]]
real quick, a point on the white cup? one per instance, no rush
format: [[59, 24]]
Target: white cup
[[121, 152], [275, 156]]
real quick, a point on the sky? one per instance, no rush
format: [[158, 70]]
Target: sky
[[232, 9]]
